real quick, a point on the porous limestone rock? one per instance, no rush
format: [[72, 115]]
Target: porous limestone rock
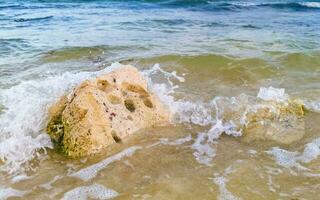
[[103, 111]]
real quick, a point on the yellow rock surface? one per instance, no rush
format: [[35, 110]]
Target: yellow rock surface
[[103, 111]]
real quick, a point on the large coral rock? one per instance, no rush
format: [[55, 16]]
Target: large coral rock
[[103, 111]]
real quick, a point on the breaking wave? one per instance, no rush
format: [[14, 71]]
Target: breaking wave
[[222, 115], [24, 117]]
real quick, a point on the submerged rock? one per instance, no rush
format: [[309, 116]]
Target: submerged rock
[[279, 119], [282, 122], [103, 111]]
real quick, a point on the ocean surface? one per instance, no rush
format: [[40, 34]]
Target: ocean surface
[[202, 57]]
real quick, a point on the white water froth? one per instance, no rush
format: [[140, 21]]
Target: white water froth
[[94, 191], [251, 4], [225, 194], [295, 159], [222, 181], [273, 94], [6, 193], [204, 150], [223, 115], [312, 105], [184, 111], [166, 141], [179, 141], [311, 4], [23, 121], [90, 172]]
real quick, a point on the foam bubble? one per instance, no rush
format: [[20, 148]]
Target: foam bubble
[[90, 172], [94, 191]]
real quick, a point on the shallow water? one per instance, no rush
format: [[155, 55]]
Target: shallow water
[[199, 57]]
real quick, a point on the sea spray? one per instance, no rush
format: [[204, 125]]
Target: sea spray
[[25, 116]]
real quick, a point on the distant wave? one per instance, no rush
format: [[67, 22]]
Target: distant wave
[[32, 19], [209, 5], [276, 5], [223, 5], [9, 6], [301, 5], [311, 4]]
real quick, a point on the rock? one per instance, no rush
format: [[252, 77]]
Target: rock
[[280, 122], [103, 111], [259, 119]]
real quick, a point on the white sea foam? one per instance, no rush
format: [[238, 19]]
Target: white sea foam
[[311, 4], [90, 172], [183, 111], [224, 115], [24, 117], [204, 149], [285, 158], [295, 159], [94, 191], [272, 94], [166, 141], [6, 193], [222, 181], [225, 194], [312, 105], [250, 4], [20, 177], [48, 185]]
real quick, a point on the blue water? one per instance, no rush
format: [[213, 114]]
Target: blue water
[[130, 29], [29, 27]]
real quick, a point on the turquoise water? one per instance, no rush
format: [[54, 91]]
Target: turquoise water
[[30, 29], [221, 49]]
